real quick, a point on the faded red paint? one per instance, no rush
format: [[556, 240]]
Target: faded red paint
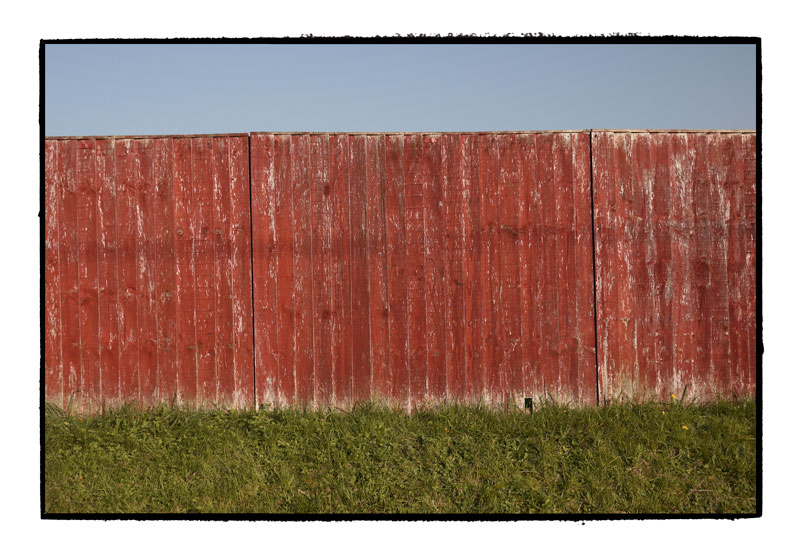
[[421, 255], [675, 264], [408, 268], [147, 271]]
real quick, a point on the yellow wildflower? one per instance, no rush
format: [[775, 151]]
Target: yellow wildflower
[[684, 427], [673, 396]]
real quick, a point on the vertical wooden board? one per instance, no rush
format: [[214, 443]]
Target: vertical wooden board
[[509, 278], [126, 271], [641, 250], [701, 266], [489, 283], [565, 260], [585, 391], [323, 267], [602, 196], [225, 380], [736, 268], [68, 253], [90, 388], [734, 257], [146, 259], [523, 148], [108, 299], [53, 369], [303, 268], [397, 270], [749, 274], [241, 277], [473, 248], [265, 266], [164, 269], [415, 255], [284, 225], [435, 325], [531, 266], [202, 214], [625, 381], [185, 335], [376, 257], [360, 269], [341, 332], [663, 270], [548, 308], [682, 162], [720, 178], [454, 252]]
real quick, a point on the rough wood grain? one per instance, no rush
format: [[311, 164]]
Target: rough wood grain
[[53, 358], [185, 325], [321, 219], [241, 278]]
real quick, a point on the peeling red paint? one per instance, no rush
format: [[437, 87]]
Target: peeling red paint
[[671, 239], [407, 268]]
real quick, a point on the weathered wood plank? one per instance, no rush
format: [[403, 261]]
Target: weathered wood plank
[[146, 261], [681, 169], [377, 262], [362, 373], [164, 270], [642, 248], [223, 279], [663, 271], [341, 239], [89, 378], [548, 307], [434, 267], [509, 278], [397, 270], [202, 215], [415, 255], [473, 247], [127, 255], [241, 277], [286, 388], [454, 258], [585, 391], [265, 267], [490, 265], [54, 362], [321, 221], [750, 225], [183, 235], [302, 270], [107, 301]]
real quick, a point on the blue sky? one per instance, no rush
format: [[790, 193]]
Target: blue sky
[[96, 89]]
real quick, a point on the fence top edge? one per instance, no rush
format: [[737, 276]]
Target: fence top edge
[[673, 131], [175, 136], [142, 136]]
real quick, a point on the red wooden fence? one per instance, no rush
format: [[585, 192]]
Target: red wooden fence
[[675, 221], [147, 275], [407, 268], [422, 267]]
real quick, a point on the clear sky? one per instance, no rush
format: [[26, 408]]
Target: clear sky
[[118, 89]]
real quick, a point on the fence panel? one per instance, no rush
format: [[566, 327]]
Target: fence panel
[[147, 271], [675, 251], [420, 268]]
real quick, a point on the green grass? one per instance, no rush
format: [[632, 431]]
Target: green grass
[[615, 459]]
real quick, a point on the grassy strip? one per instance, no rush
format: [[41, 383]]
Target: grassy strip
[[648, 458]]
